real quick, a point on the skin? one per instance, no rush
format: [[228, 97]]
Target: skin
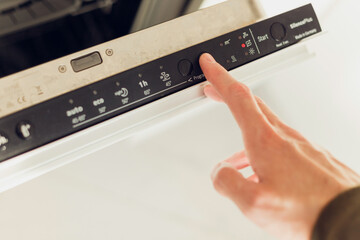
[[294, 179]]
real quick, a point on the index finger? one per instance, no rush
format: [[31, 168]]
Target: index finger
[[236, 95]]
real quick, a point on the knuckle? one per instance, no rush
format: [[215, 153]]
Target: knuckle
[[290, 134], [268, 136]]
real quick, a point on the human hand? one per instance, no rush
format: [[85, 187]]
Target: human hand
[[293, 179]]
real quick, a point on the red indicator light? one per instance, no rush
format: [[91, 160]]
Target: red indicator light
[[243, 45]]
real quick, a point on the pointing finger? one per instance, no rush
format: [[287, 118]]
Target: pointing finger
[[236, 95]]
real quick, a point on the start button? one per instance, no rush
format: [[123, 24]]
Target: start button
[[278, 31]]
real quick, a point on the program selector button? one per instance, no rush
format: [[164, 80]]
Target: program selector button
[[185, 67]]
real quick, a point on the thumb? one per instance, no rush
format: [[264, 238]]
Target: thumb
[[231, 184]]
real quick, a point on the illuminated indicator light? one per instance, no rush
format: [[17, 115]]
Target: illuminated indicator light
[[243, 45]]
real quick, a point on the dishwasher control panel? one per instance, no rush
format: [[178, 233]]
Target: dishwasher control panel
[[77, 110]]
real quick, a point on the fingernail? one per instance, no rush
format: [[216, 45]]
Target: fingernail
[[208, 58], [218, 167]]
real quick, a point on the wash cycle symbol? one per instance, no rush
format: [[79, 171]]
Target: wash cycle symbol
[[165, 76], [123, 92], [252, 51]]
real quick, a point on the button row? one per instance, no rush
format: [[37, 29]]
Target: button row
[[25, 129]]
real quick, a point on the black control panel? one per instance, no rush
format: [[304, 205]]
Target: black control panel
[[110, 97]]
